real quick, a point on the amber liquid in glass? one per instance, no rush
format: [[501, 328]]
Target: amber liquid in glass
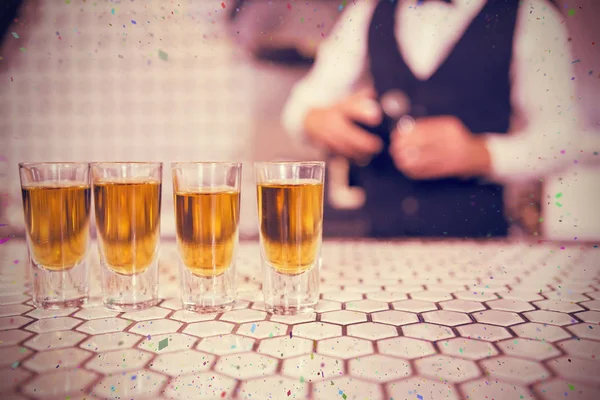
[[128, 224], [291, 223], [207, 224], [57, 219]]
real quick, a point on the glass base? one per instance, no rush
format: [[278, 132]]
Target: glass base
[[206, 309], [291, 294], [204, 294], [130, 292], [56, 290]]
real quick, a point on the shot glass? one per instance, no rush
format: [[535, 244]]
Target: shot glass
[[207, 214], [290, 219], [56, 206], [127, 200]]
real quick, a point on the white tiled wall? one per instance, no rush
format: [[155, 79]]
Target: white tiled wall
[[90, 85]]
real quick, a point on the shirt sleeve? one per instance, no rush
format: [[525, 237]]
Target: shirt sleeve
[[544, 97], [340, 63]]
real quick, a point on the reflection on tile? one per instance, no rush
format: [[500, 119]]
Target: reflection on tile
[[173, 303], [209, 328], [528, 348], [53, 324], [273, 387], [448, 318], [380, 368], [342, 296], [558, 305], [294, 319], [182, 362], [226, 344], [393, 317], [387, 296], [576, 369], [174, 342], [372, 331], [12, 337], [262, 329], [415, 306], [467, 348], [119, 361], [13, 322], [188, 316], [425, 388], [581, 348], [464, 306], [510, 305], [60, 384], [427, 331], [246, 365], [56, 359], [585, 331], [326, 305], [54, 340], [343, 317], [316, 330], [313, 367], [131, 385], [98, 312], [156, 327], [494, 389], [147, 314], [285, 347], [447, 368], [11, 356], [241, 316], [97, 326], [515, 370], [14, 299], [559, 389], [405, 347], [489, 333], [206, 385], [110, 341], [549, 333], [495, 317], [344, 347], [12, 377], [352, 388]]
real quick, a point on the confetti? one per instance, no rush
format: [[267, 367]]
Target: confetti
[[558, 195], [558, 204], [163, 56], [16, 36], [253, 328], [289, 392], [112, 11], [571, 387], [571, 12], [419, 397], [223, 5], [4, 240], [23, 49], [133, 22], [576, 61], [163, 343]]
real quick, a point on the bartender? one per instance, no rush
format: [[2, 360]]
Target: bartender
[[487, 84]]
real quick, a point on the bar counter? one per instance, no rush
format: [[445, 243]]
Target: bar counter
[[396, 320]]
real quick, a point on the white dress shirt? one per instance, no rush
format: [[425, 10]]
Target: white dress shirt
[[544, 126]]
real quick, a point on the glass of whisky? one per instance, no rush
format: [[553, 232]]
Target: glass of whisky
[[290, 219], [127, 200], [56, 206], [207, 215]]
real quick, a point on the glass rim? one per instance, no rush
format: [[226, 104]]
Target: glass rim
[[25, 164], [117, 163], [205, 163], [289, 163]]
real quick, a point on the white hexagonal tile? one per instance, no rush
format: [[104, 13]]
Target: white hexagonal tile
[[13, 309], [549, 333], [426, 331], [313, 367], [550, 317], [589, 316], [209, 328], [372, 331], [593, 305], [433, 297], [147, 314], [366, 306], [98, 312], [557, 388], [510, 305], [467, 348], [405, 347], [343, 317], [317, 330], [464, 306], [15, 322], [59, 384], [493, 389], [342, 297], [415, 388], [294, 319], [189, 316], [528, 348], [54, 340], [515, 370], [379, 368], [262, 329], [344, 347], [245, 315], [56, 359], [13, 337], [576, 369], [168, 342], [387, 297], [12, 377], [40, 313], [111, 341], [393, 317], [520, 295], [273, 387], [98, 326], [490, 333], [206, 385], [414, 306], [558, 305], [352, 388], [182, 362], [326, 305], [285, 347], [246, 366], [14, 299], [448, 318], [131, 385], [226, 344], [156, 327], [581, 348], [585, 331], [496, 317], [119, 361], [53, 324], [11, 356], [447, 368]]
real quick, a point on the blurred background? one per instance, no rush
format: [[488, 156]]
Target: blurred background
[[169, 80]]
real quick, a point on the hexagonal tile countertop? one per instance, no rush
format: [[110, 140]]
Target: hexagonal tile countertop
[[396, 320]]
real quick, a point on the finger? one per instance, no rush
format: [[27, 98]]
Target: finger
[[361, 140], [362, 109]]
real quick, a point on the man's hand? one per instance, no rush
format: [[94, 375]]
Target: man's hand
[[334, 127], [439, 147]]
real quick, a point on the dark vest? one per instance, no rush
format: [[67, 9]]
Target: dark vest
[[472, 84]]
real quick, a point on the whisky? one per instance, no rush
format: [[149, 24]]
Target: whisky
[[128, 223], [57, 219], [291, 222], [207, 226]]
